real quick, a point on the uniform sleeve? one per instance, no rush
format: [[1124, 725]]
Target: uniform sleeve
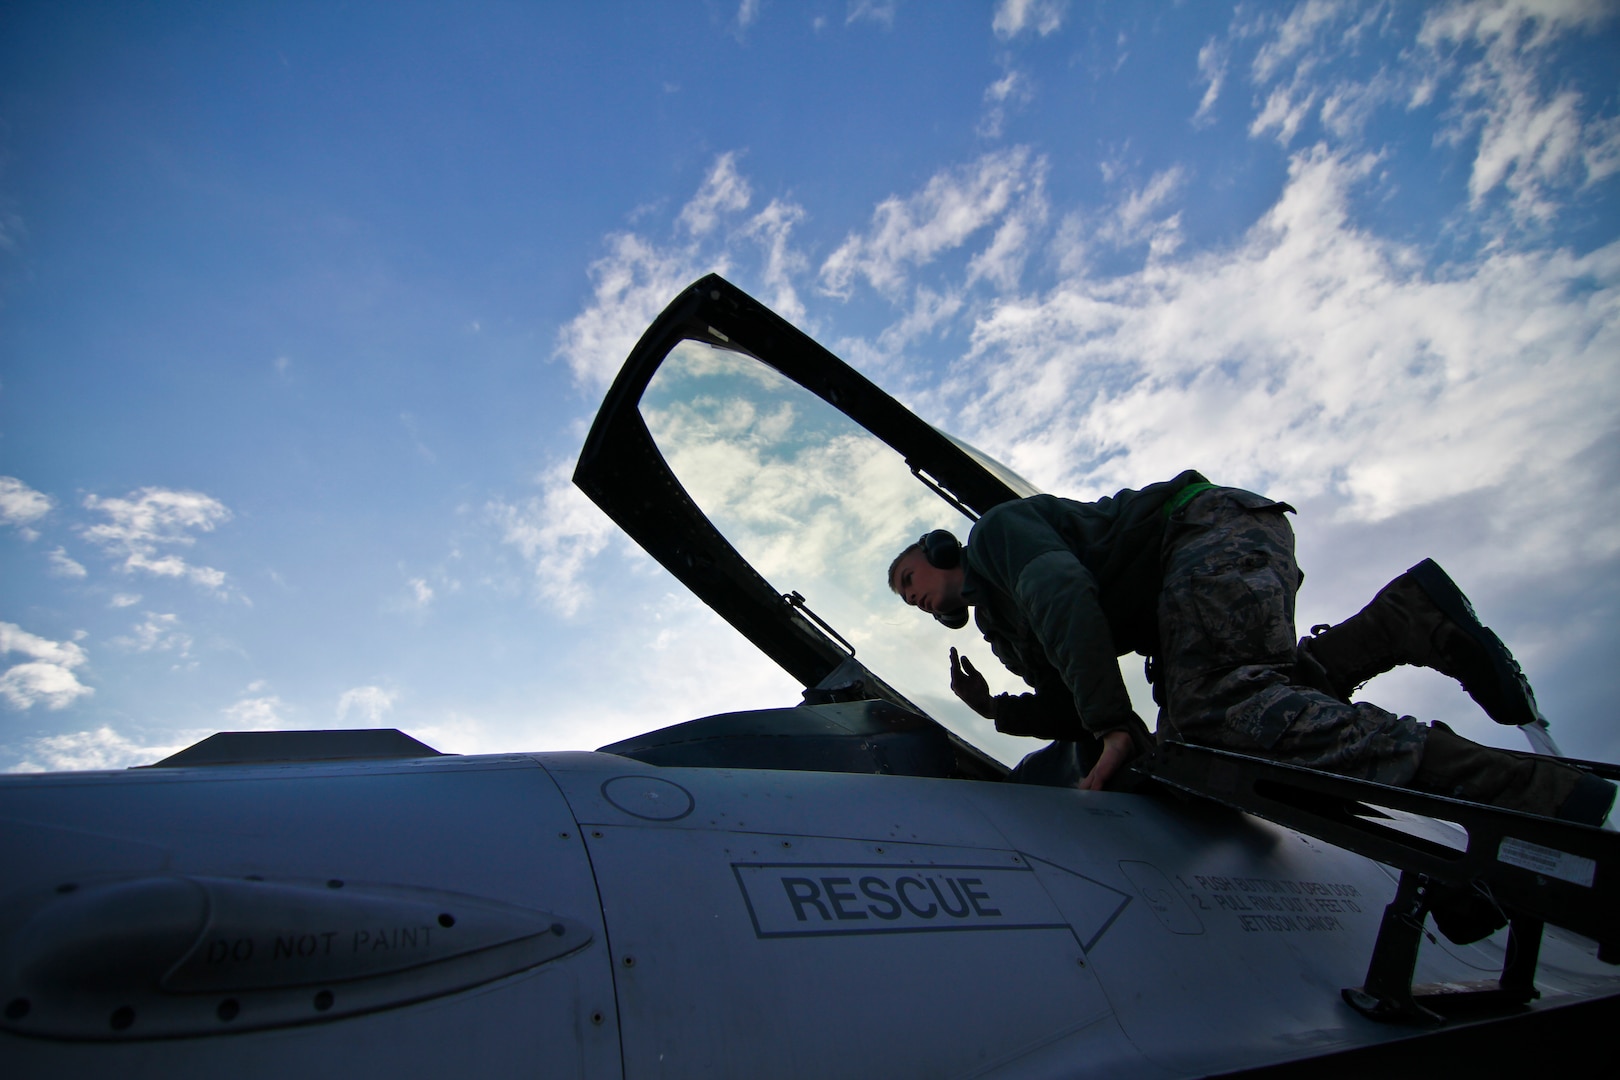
[[1059, 598], [1025, 558]]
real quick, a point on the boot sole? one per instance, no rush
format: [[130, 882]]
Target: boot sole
[[1514, 702]]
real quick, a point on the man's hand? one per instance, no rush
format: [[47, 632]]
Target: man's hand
[[1116, 752], [970, 686]]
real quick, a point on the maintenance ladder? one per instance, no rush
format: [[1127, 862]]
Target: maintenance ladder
[[1536, 870]]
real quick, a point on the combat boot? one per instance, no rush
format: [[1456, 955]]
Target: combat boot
[[1420, 618]]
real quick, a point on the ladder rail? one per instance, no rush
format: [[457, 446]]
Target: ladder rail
[[1556, 871]]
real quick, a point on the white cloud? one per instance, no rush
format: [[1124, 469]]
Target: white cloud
[[1007, 94], [102, 748], [1296, 33], [21, 506], [1283, 113], [63, 565], [151, 519], [370, 703], [953, 206], [261, 713], [1212, 73], [771, 228], [1530, 142], [747, 13], [878, 11], [1134, 220], [632, 282], [638, 276], [1013, 17], [158, 633], [558, 532], [123, 600], [1537, 140], [421, 592], [46, 677], [1356, 380], [724, 191], [930, 310]]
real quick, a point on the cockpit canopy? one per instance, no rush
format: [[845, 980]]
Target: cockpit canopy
[[777, 484]]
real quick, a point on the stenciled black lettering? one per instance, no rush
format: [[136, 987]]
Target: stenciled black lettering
[[361, 937], [869, 889], [900, 891], [242, 949], [407, 936], [952, 912], [219, 951], [285, 948], [836, 898], [326, 941], [793, 885], [974, 896]]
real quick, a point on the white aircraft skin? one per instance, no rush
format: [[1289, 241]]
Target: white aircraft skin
[[738, 923]]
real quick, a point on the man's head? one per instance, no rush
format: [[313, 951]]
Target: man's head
[[916, 579]]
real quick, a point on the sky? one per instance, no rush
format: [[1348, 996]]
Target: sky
[[305, 309]]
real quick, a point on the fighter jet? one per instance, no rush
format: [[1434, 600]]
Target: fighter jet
[[842, 885]]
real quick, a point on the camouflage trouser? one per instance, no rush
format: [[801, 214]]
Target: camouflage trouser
[[1226, 628]]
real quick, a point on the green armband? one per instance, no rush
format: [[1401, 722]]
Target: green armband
[[1185, 496]]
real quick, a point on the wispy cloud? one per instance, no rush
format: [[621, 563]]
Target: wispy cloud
[[143, 527], [21, 506], [262, 712], [1138, 218], [772, 228], [639, 273], [724, 191], [1357, 377], [61, 564], [1013, 17], [1292, 43], [47, 676], [1492, 66], [1533, 140], [1003, 97], [421, 592], [366, 703], [158, 632], [881, 12], [557, 532], [102, 748], [1212, 60], [906, 232]]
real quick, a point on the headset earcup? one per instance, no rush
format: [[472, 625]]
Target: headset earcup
[[942, 550]]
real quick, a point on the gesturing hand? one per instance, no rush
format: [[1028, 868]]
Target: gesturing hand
[[969, 685]]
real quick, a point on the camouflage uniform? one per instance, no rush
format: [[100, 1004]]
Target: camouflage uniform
[[1227, 649], [1203, 578]]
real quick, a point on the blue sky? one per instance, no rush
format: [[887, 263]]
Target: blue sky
[[305, 308]]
